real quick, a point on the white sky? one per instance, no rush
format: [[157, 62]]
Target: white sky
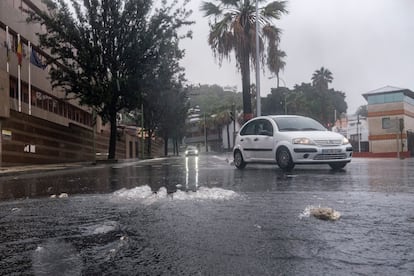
[[366, 44]]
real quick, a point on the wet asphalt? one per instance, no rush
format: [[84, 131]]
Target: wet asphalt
[[201, 216]]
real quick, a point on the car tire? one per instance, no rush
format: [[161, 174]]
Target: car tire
[[284, 159], [238, 160], [337, 166]]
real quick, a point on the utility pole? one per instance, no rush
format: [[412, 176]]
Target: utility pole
[[142, 131], [359, 140], [259, 108], [205, 132]]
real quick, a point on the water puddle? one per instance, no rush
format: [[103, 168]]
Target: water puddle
[[56, 258]]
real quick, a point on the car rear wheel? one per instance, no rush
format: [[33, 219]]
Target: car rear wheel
[[337, 166], [284, 159], [238, 160]]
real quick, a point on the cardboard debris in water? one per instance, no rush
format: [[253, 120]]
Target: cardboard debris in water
[[325, 213]]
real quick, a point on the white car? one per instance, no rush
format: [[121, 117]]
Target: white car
[[288, 140], [191, 150]]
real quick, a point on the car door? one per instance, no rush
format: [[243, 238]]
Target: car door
[[246, 142], [263, 141]]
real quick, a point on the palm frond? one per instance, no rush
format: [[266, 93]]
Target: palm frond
[[274, 9], [210, 9]]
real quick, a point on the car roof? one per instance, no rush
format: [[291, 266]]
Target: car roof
[[281, 116]]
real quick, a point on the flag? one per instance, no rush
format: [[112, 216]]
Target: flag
[[7, 44], [19, 52], [7, 47], [35, 60]]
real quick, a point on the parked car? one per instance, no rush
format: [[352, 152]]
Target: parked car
[[288, 140], [191, 150]]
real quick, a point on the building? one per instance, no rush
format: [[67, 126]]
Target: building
[[38, 123], [391, 121], [355, 128], [357, 133]]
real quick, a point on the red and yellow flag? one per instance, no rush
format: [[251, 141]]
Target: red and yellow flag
[[19, 52]]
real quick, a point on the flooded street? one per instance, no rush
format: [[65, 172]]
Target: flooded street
[[200, 216]]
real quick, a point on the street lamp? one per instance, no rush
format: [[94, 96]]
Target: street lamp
[[259, 108]]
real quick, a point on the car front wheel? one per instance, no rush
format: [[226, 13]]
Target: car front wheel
[[284, 159], [337, 166], [238, 160]]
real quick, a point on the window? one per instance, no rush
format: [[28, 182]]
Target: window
[[3, 37], [386, 123], [13, 88], [39, 99], [62, 109], [130, 149], [25, 94], [265, 128], [33, 96], [248, 129]]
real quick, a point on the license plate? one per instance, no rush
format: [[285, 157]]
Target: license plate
[[331, 151]]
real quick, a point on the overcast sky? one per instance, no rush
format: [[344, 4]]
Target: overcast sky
[[366, 44]]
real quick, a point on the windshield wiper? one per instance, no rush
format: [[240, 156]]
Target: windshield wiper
[[309, 128], [288, 129]]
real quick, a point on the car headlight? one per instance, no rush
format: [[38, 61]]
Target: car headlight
[[345, 141], [196, 151], [303, 141], [186, 152]]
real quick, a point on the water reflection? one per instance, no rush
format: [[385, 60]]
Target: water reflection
[[191, 173]]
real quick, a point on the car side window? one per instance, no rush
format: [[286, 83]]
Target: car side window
[[264, 127], [249, 129]]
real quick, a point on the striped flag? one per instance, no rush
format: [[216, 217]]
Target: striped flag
[[19, 52]]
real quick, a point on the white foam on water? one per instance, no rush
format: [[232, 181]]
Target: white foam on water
[[106, 227], [306, 212], [145, 195], [204, 193]]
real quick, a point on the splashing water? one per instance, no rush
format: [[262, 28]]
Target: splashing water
[[147, 196]]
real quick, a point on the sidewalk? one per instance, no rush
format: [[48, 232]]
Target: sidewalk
[[14, 170]]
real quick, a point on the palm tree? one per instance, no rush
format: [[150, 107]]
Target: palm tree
[[321, 78], [275, 61], [234, 29]]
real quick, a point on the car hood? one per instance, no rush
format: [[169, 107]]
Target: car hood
[[315, 135]]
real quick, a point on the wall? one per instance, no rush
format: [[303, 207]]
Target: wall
[[37, 141], [389, 140]]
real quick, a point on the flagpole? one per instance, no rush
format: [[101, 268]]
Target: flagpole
[[7, 48], [19, 85], [30, 80]]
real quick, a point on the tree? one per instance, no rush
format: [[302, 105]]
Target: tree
[[305, 100], [362, 111], [103, 52], [213, 98], [234, 29], [321, 78], [275, 62], [275, 102], [174, 107]]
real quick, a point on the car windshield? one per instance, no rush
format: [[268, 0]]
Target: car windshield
[[297, 124]]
